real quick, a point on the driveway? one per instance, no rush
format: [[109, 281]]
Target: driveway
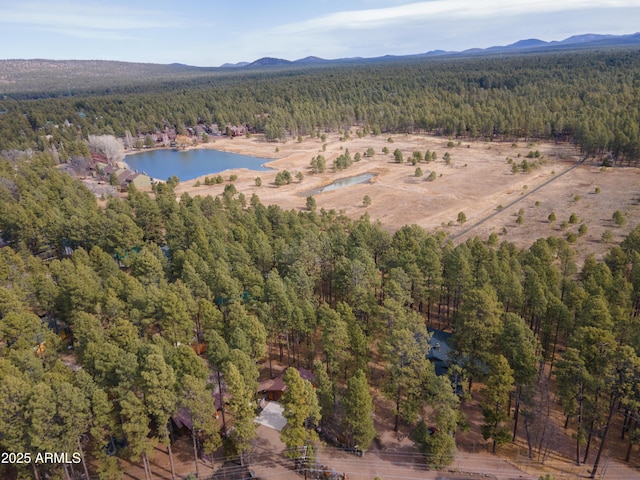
[[272, 416]]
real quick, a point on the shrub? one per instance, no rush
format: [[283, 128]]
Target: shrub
[[283, 178], [619, 219], [607, 236], [230, 189], [582, 230], [311, 204], [318, 164]]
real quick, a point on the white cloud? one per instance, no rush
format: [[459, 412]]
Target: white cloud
[[65, 17], [380, 17], [92, 34]]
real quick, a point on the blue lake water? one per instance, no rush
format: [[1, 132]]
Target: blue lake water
[[187, 165]]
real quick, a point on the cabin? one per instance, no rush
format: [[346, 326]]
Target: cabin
[[273, 388], [181, 420], [140, 180]]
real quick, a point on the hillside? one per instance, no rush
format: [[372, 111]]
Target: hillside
[[42, 78]]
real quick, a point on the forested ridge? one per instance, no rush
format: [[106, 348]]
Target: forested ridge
[[131, 286], [40, 78], [590, 98]]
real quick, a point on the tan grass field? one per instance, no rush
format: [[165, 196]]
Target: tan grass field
[[478, 182]]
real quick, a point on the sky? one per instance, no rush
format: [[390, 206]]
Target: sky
[[214, 32]]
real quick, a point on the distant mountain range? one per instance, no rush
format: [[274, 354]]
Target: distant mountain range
[[42, 78], [589, 40]]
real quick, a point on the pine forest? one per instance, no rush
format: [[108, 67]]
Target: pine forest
[[119, 314]]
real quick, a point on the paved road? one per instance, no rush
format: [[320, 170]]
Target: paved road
[[408, 465]]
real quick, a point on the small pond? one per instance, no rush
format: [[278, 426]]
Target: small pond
[[190, 164], [345, 182]]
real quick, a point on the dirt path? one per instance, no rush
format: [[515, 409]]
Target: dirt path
[[514, 202]]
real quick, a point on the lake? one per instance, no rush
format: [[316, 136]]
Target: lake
[[190, 164]]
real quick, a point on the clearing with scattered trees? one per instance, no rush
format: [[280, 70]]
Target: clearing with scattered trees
[[479, 182]]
